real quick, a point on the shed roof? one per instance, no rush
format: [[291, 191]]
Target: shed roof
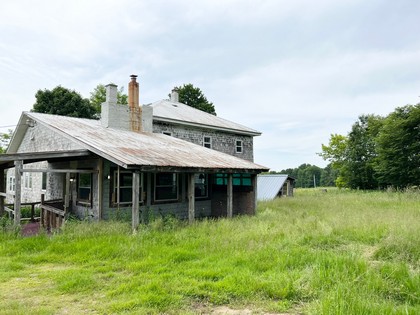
[[179, 113], [269, 186], [140, 150]]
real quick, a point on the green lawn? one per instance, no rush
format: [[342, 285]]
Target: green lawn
[[339, 252]]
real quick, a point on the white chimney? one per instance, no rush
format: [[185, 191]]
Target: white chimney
[[175, 95], [112, 114]]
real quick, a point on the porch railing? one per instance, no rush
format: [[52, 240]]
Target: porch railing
[[52, 213]]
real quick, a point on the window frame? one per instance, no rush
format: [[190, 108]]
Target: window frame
[[208, 144], [205, 185], [239, 144], [175, 184], [79, 200], [114, 190]]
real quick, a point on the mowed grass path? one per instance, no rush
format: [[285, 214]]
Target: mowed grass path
[[317, 253]]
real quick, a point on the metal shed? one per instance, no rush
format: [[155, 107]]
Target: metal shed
[[273, 186]]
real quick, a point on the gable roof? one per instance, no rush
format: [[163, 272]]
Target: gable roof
[[269, 186], [179, 113], [128, 149]]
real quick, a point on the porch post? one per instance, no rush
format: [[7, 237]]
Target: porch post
[[145, 213], [254, 179], [288, 187], [230, 196], [2, 190], [18, 190], [191, 197], [136, 201], [67, 193]]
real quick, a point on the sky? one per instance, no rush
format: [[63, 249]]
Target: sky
[[298, 71]]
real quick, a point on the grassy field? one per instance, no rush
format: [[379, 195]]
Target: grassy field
[[339, 252]]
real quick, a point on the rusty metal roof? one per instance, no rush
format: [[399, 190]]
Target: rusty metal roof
[[132, 149], [179, 113]]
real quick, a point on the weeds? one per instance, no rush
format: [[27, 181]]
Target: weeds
[[340, 252]]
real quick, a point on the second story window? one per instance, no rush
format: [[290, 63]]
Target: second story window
[[207, 142], [239, 146]]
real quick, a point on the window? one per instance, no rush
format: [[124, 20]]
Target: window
[[126, 188], [239, 146], [166, 186], [44, 181], [167, 133], [237, 179], [12, 183], [207, 142], [201, 186], [84, 188], [27, 180]]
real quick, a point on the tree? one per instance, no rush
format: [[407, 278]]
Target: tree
[[398, 161], [64, 102], [361, 153], [4, 140], [98, 96], [194, 97], [354, 155]]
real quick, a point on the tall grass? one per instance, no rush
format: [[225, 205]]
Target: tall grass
[[340, 252]]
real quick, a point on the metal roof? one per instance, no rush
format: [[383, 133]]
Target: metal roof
[[179, 113], [269, 186], [132, 149]]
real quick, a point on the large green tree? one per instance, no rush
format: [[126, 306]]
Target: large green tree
[[354, 155], [398, 162], [98, 96], [64, 102], [194, 97]]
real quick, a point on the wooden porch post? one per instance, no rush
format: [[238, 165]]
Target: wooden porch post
[[2, 190], [67, 193], [230, 196], [18, 190], [136, 201], [254, 179], [191, 197]]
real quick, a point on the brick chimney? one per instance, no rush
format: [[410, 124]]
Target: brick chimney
[[133, 104]]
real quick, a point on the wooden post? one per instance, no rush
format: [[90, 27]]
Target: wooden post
[[230, 196], [67, 193], [32, 213], [145, 213], [2, 190], [18, 190], [136, 201], [254, 184], [191, 197], [100, 187], [42, 219]]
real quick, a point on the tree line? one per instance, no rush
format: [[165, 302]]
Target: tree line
[[378, 152], [310, 176]]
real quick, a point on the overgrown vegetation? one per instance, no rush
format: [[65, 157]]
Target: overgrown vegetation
[[340, 252]]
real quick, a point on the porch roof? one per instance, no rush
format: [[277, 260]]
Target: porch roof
[[144, 151]]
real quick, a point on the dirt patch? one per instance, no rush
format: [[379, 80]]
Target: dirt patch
[[225, 310]]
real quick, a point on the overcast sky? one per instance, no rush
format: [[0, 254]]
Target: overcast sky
[[297, 70]]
